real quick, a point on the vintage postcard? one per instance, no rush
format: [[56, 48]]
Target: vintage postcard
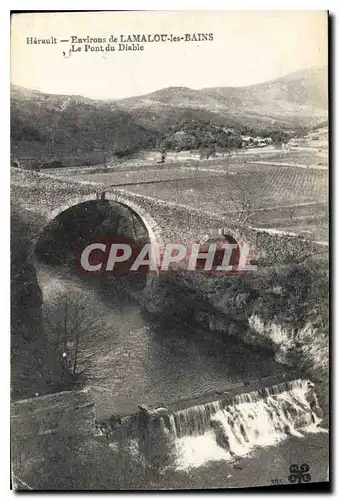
[[169, 250]]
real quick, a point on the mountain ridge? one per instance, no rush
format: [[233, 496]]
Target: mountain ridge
[[302, 73], [73, 125]]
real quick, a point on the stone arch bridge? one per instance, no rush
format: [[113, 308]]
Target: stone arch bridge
[[42, 198]]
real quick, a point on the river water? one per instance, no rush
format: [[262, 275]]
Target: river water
[[132, 359]]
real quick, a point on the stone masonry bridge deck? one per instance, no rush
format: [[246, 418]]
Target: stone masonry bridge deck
[[43, 197]]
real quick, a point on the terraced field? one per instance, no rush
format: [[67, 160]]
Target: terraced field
[[149, 175], [308, 158], [271, 187], [292, 198]]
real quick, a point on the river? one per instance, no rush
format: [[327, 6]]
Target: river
[[135, 360], [130, 359]]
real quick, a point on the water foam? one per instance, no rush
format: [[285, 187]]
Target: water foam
[[226, 429]]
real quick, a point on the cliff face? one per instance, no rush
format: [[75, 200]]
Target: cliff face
[[29, 348]]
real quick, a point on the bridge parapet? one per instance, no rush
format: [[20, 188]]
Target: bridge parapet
[[44, 197]]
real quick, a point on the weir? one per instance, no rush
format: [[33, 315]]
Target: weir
[[216, 426], [234, 422], [281, 408]]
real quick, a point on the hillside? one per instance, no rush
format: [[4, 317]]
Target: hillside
[[61, 126], [71, 125], [292, 98], [303, 93]]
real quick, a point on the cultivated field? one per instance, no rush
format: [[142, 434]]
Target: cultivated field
[[284, 189], [272, 196], [273, 187]]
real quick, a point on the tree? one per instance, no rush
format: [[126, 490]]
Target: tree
[[291, 214], [163, 145], [163, 156], [69, 324], [246, 206]]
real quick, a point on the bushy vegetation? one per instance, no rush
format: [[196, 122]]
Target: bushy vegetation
[[278, 134], [76, 130], [67, 461], [71, 460], [195, 134]]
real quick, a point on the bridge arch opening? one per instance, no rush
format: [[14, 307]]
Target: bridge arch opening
[[219, 253], [95, 219], [235, 255]]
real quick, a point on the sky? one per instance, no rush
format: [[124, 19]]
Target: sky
[[248, 47]]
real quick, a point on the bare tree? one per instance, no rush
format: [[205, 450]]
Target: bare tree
[[163, 156], [246, 206], [69, 330], [229, 151], [291, 214]]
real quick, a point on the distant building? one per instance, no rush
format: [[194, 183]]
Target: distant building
[[255, 142]]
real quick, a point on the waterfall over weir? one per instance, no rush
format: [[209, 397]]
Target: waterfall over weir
[[281, 408], [233, 425]]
